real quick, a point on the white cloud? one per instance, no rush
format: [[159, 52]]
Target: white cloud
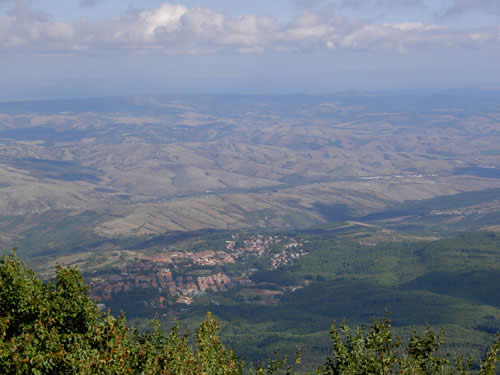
[[166, 18], [176, 29], [415, 26]]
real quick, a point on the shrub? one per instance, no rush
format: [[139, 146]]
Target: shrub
[[56, 328]]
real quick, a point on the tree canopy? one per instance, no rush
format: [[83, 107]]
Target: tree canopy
[[54, 327]]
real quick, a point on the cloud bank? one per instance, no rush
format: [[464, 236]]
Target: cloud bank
[[176, 29]]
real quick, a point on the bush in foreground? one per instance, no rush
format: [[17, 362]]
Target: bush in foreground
[[55, 328]]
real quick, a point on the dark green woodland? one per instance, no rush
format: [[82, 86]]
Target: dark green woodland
[[56, 328]]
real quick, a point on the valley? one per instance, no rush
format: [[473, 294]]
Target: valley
[[276, 213], [148, 166]]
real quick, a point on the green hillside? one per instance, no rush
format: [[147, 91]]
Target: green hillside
[[450, 283], [55, 328]]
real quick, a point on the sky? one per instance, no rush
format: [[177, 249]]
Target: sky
[[81, 48]]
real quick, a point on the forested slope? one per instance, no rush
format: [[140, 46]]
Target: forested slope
[[55, 328]]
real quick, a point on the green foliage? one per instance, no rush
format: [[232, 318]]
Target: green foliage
[[55, 328], [375, 350], [342, 279], [492, 357]]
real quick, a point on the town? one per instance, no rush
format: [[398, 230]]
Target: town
[[181, 276]]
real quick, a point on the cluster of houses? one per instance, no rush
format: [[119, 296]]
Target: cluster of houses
[[208, 258], [145, 274], [291, 252], [169, 272]]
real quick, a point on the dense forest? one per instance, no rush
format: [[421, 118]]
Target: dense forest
[[56, 328]]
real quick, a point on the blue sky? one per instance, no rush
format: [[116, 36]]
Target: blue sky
[[75, 48]]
